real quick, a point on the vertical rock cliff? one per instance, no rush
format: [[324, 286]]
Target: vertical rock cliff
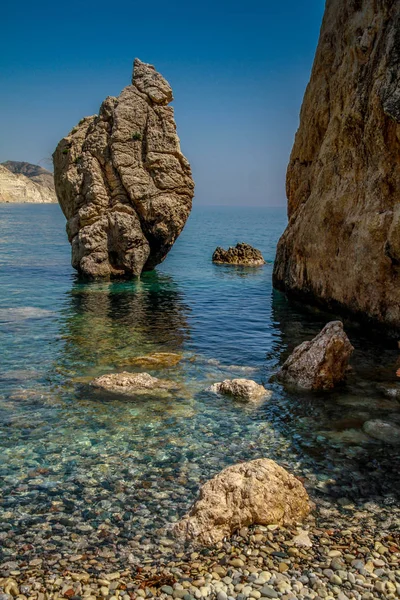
[[122, 181], [341, 247]]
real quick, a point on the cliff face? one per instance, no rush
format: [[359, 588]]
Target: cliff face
[[23, 182], [342, 244], [123, 182]]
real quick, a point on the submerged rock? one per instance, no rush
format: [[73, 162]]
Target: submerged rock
[[258, 491], [156, 360], [132, 383], [383, 430], [122, 181], [342, 244], [243, 389], [320, 363], [241, 254]]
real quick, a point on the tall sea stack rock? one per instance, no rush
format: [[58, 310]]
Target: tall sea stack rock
[[122, 181], [342, 244]]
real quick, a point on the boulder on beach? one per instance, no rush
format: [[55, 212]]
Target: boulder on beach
[[256, 492], [241, 254], [242, 389], [132, 383], [122, 181], [383, 431], [321, 363]]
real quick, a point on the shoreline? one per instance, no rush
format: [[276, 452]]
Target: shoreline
[[354, 553]]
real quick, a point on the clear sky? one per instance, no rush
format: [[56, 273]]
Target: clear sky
[[238, 71]]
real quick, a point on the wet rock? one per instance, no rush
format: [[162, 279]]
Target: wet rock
[[122, 181], [321, 363], [131, 383], [383, 430], [259, 491], [241, 254], [243, 389]]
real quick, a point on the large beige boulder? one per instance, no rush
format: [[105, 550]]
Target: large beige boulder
[[241, 254], [122, 181], [341, 247], [321, 363], [259, 491], [155, 360]]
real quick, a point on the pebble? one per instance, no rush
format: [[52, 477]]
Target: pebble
[[257, 564]]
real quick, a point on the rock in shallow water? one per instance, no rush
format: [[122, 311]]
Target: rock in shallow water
[[320, 363], [155, 360], [383, 430], [259, 491], [132, 383], [243, 389], [241, 254], [123, 182]]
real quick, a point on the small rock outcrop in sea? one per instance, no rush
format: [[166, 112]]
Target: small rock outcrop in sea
[[321, 363], [241, 254], [242, 389], [258, 491], [132, 383], [26, 183], [122, 181], [341, 247], [383, 431]]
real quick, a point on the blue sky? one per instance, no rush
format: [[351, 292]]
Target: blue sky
[[238, 71]]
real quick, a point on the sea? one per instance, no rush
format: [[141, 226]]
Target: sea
[[76, 459]]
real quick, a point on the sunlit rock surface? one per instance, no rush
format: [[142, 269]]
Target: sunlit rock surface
[[258, 491], [122, 181]]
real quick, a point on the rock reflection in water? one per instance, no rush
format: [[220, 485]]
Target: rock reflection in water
[[106, 324]]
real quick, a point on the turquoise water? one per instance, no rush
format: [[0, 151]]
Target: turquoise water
[[73, 461]]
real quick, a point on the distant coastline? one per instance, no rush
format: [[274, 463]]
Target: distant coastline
[[23, 183]]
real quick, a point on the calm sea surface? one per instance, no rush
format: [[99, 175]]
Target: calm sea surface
[[75, 460]]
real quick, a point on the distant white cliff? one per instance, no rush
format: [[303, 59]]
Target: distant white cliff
[[23, 182]]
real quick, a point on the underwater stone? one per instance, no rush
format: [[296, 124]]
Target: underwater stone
[[383, 430], [131, 383]]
